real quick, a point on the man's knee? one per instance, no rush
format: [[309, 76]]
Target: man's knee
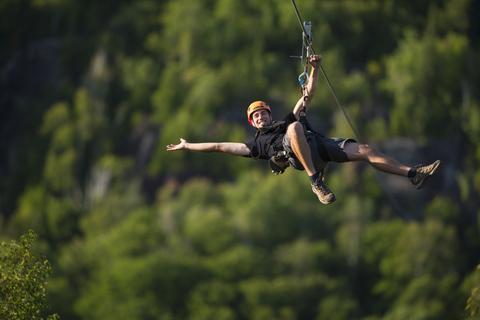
[[367, 151], [295, 131], [364, 148], [357, 151]]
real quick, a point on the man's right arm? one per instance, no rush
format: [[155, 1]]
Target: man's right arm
[[315, 62], [234, 148]]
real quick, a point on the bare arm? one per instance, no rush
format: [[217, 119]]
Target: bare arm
[[315, 62], [234, 148]]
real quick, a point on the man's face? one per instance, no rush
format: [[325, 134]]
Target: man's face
[[261, 119]]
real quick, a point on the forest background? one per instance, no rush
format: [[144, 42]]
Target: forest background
[[91, 92]]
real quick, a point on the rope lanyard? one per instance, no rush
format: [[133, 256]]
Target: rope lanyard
[[303, 79], [309, 45]]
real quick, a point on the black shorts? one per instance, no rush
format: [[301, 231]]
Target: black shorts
[[335, 148]]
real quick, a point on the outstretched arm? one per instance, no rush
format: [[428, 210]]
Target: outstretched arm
[[234, 148], [315, 62]]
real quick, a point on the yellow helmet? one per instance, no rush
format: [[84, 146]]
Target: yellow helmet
[[257, 105]]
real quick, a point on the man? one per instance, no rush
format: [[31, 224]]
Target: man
[[292, 143]]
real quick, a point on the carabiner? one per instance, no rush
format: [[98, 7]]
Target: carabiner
[[303, 79]]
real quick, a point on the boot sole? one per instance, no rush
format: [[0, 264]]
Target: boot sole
[[330, 201], [425, 180]]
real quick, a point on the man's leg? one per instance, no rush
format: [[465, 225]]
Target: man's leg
[[299, 145], [418, 175], [363, 152]]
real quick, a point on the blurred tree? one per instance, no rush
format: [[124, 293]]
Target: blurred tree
[[285, 297], [473, 302], [239, 263], [54, 218], [338, 307], [420, 252], [424, 75], [212, 300]]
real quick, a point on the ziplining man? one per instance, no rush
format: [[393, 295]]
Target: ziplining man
[[292, 142]]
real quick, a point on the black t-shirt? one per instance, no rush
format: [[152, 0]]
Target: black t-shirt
[[267, 144]]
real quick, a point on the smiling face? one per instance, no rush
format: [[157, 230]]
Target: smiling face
[[261, 119]]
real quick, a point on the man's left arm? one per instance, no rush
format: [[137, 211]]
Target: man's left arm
[[315, 62]]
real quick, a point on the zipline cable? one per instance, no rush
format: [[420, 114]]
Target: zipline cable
[[310, 45]]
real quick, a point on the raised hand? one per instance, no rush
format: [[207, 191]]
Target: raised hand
[[316, 61]]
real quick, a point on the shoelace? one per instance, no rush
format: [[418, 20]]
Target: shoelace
[[322, 188]]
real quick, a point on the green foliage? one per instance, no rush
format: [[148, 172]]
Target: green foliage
[[424, 76], [23, 280], [422, 299], [41, 211], [284, 297], [211, 300], [473, 302]]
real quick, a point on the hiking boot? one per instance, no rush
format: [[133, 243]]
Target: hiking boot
[[323, 193], [425, 173]]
